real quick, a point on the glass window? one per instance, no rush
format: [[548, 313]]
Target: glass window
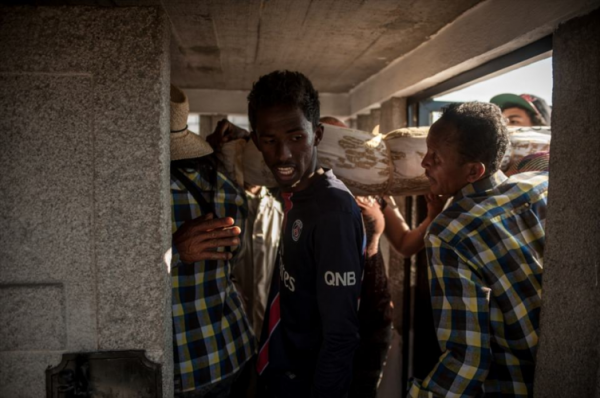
[[535, 78]]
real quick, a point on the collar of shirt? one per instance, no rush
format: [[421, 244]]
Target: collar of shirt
[[483, 185], [200, 181], [264, 191]]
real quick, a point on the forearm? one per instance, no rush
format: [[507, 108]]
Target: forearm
[[395, 226], [414, 239], [405, 241], [372, 239]]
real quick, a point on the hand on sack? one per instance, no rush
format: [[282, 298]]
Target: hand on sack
[[225, 132]]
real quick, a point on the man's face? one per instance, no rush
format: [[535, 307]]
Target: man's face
[[517, 117], [288, 144], [444, 168]]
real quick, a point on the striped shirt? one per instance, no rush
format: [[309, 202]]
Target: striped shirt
[[211, 334], [485, 254]]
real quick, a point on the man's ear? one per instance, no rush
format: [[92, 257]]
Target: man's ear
[[475, 170], [318, 134]]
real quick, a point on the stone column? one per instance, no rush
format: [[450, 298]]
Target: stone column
[[375, 118], [85, 208], [351, 123], [392, 118], [363, 122], [393, 115], [205, 125], [208, 123], [567, 360]]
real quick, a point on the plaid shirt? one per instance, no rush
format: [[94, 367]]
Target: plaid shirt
[[211, 335], [485, 256]]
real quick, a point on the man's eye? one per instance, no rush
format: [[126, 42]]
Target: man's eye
[[297, 137]]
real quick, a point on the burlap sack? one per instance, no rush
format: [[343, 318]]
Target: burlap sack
[[376, 164], [527, 141], [361, 160], [231, 157], [407, 148]]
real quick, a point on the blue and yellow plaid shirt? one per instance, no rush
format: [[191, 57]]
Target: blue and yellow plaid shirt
[[211, 335], [485, 254]]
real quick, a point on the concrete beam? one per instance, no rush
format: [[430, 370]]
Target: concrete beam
[[232, 102], [337, 105], [486, 31]]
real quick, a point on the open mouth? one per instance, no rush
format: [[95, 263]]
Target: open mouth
[[431, 180], [285, 172]]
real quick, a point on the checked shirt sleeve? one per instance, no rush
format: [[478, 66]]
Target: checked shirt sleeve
[[460, 305]]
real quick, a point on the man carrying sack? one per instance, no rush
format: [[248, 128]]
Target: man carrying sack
[[212, 340]]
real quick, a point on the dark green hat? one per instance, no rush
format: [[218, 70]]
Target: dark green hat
[[528, 102]]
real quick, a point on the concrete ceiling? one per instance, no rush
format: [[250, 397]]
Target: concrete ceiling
[[228, 44], [358, 53]]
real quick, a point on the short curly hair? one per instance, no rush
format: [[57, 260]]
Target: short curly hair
[[480, 134], [284, 88]]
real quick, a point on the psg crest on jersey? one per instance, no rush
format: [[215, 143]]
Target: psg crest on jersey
[[296, 230]]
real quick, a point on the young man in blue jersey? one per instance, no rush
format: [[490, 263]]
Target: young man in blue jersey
[[311, 331]]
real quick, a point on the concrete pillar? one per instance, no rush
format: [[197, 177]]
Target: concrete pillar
[[393, 115], [85, 208], [567, 360], [363, 122], [375, 118], [391, 384], [351, 123], [208, 123], [205, 125]]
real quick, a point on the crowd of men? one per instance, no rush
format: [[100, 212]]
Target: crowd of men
[[282, 292]]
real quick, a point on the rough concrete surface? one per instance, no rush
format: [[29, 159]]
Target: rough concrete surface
[[228, 44], [32, 318], [338, 44], [84, 157], [393, 115], [567, 359], [363, 122]]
